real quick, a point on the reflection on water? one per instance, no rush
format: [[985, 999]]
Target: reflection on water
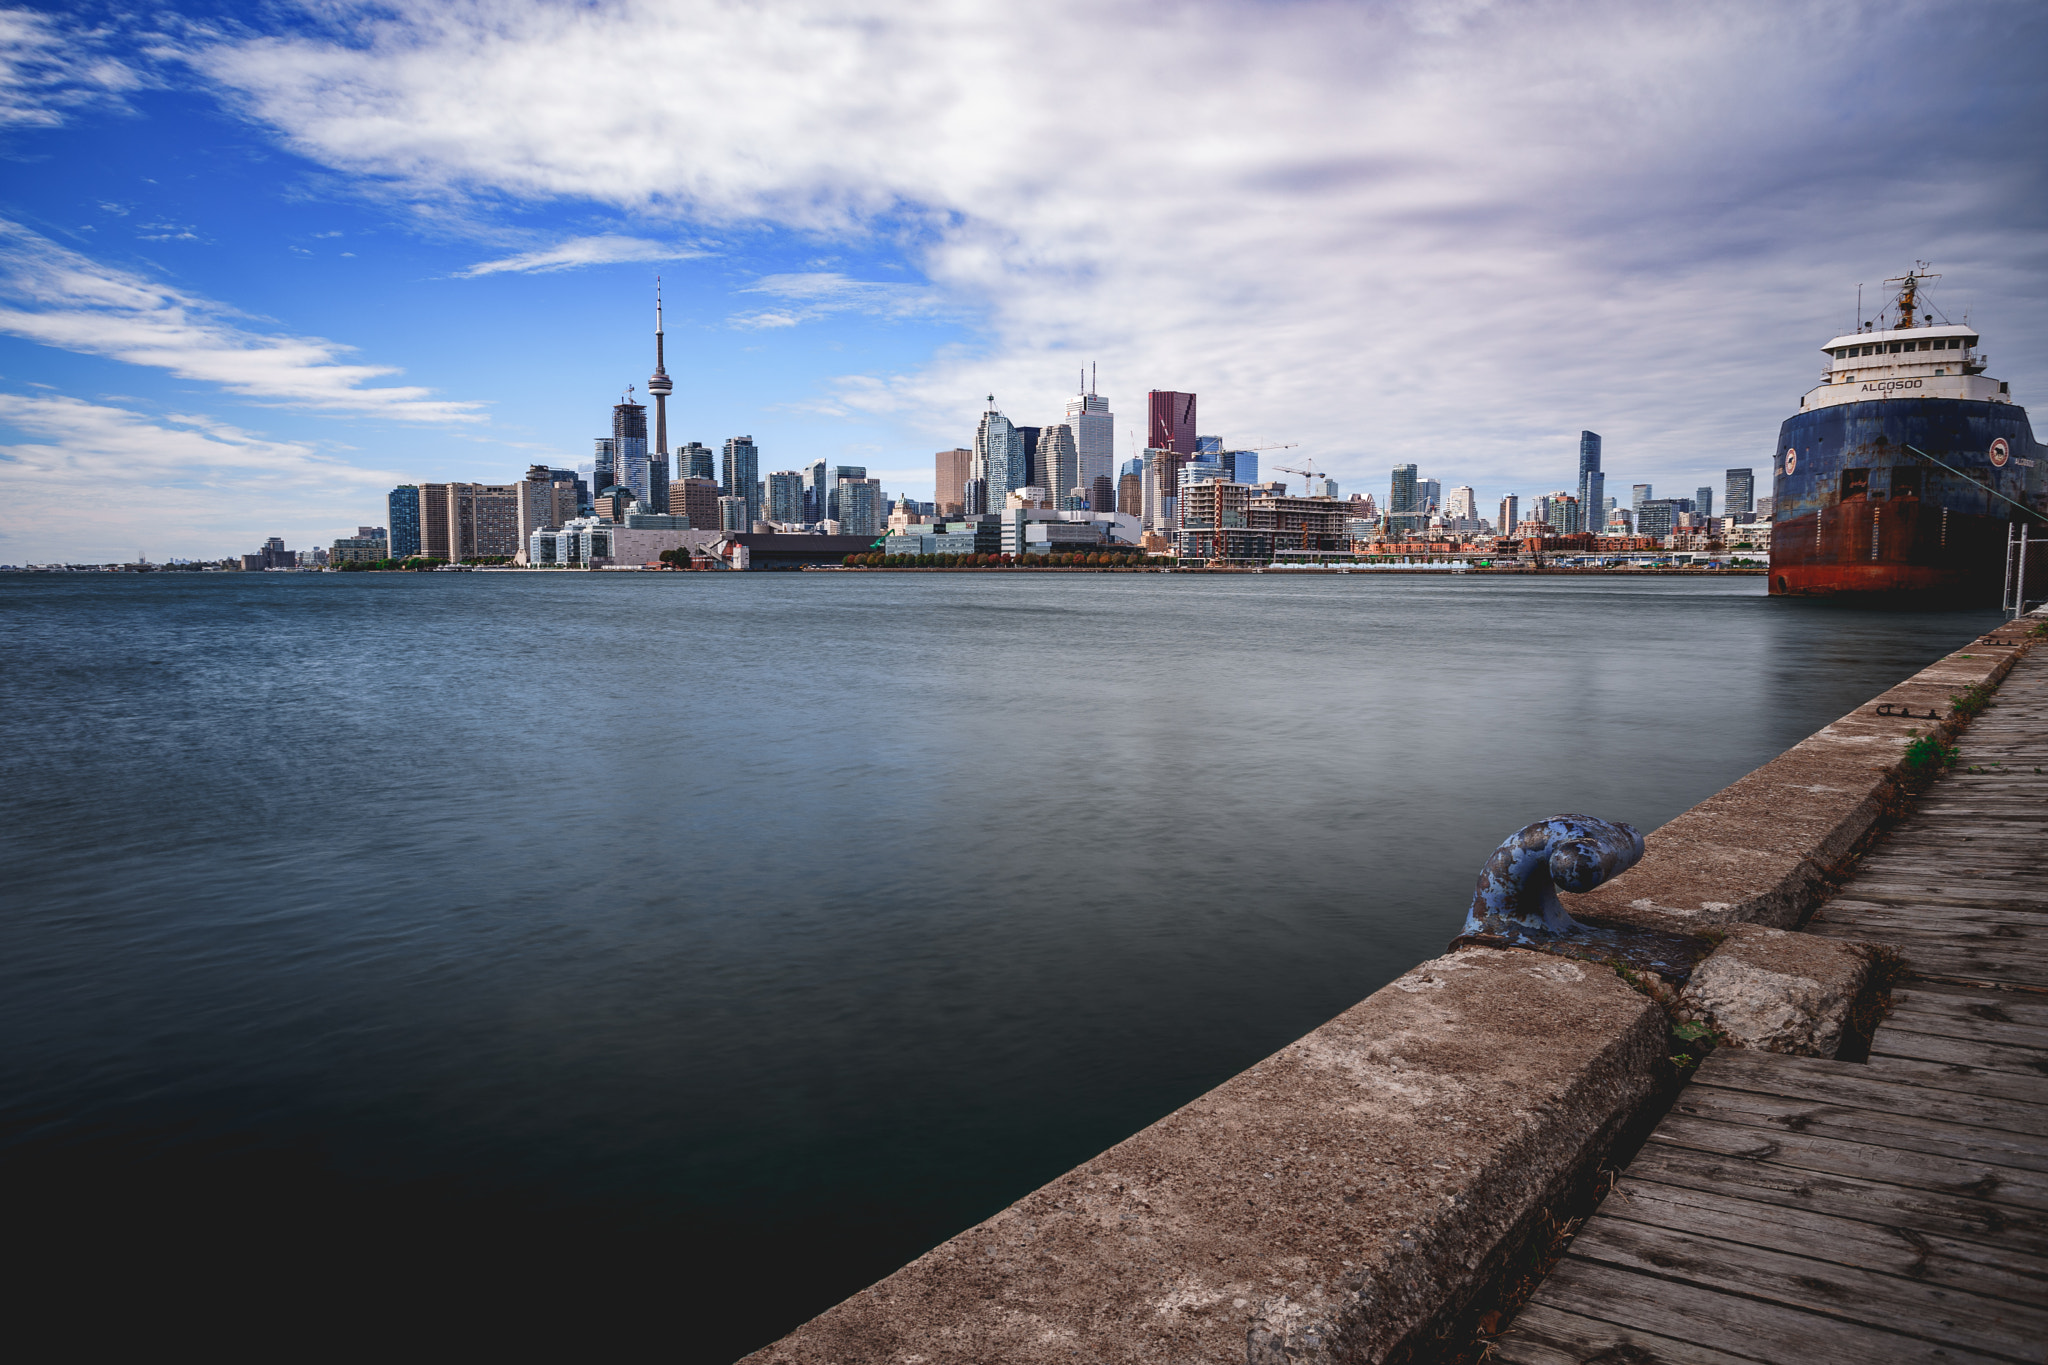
[[614, 954]]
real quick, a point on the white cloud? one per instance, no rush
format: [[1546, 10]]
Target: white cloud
[[1452, 233], [605, 249], [48, 70], [817, 294], [214, 489], [55, 296]]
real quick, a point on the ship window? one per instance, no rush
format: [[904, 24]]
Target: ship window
[[1855, 484], [1969, 342], [1868, 349], [1895, 348], [1905, 483], [1954, 342]]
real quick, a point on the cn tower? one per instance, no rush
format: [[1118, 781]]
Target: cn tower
[[659, 386]]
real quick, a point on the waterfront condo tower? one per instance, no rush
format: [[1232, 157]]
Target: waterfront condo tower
[[742, 477], [1592, 483], [1740, 497], [629, 451]]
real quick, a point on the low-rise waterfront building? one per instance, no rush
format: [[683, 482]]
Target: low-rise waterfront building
[[367, 546]]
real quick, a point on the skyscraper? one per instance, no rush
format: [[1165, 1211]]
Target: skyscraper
[[1462, 504], [404, 505], [1404, 513], [1740, 498], [605, 472], [697, 499], [786, 496], [629, 451], [953, 471], [1061, 463], [1592, 483], [860, 507], [1703, 501], [1429, 497], [1170, 430], [834, 477], [696, 461], [1094, 435], [998, 462], [1034, 472], [742, 476], [659, 386], [1642, 495], [1510, 515]]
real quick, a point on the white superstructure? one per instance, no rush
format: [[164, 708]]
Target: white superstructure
[[1906, 362]]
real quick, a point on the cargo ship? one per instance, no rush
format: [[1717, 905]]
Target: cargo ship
[[1907, 472]]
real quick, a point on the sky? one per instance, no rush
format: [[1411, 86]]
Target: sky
[[260, 263]]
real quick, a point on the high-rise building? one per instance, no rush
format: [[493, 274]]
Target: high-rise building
[[1592, 482], [837, 475], [954, 469], [786, 496], [860, 507], [434, 521], [546, 502], [732, 515], [741, 477], [1429, 497], [1703, 501], [1656, 517], [1094, 435], [1130, 492], [1101, 497], [697, 499], [1243, 465], [660, 387], [1739, 499], [1034, 472], [604, 471], [1510, 515], [696, 461], [404, 505], [1169, 430], [1564, 513], [1405, 513], [1642, 495], [483, 520], [998, 464], [1060, 459], [629, 452]]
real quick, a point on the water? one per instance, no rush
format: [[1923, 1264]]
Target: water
[[626, 956]]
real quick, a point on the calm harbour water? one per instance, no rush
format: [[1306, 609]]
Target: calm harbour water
[[668, 956]]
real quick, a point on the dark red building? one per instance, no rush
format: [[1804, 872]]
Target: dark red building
[[1170, 425]]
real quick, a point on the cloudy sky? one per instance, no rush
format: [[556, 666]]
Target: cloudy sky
[[254, 270]]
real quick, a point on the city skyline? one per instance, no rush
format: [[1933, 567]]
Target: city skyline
[[239, 266]]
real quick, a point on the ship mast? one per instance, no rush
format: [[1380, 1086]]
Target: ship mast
[[1909, 292]]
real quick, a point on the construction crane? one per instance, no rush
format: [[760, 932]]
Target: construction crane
[[1308, 476]]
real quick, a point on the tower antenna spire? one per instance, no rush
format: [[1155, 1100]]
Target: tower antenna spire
[[660, 387]]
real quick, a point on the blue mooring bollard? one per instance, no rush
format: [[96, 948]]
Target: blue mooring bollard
[[1517, 895]]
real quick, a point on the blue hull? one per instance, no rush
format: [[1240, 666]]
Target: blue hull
[[1861, 514]]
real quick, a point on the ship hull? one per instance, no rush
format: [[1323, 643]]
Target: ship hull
[[1858, 514]]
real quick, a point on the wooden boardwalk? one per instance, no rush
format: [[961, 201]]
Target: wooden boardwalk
[[1811, 1212]]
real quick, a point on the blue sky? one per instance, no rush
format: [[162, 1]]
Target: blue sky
[[252, 270]]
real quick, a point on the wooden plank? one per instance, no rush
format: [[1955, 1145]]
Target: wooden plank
[[1728, 1322], [1995, 1327], [1851, 1083], [1889, 1249], [1542, 1335], [1867, 1161], [1927, 1047], [1956, 1024], [1950, 1076], [1960, 922], [2023, 900], [1880, 1128], [2017, 1007], [1963, 1217]]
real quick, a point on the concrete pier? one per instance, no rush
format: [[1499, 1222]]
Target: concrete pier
[[1356, 1195], [1888, 1209]]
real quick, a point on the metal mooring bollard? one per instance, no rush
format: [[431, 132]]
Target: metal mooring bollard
[[1517, 895]]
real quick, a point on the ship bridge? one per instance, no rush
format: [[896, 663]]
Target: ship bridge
[[1905, 362]]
